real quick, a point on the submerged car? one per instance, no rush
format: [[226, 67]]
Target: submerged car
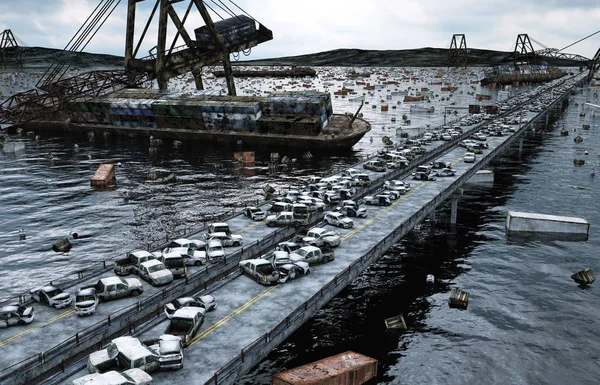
[[51, 296]]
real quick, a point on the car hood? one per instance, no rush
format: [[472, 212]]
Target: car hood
[[99, 358], [271, 217], [361, 210], [138, 376], [236, 237], [169, 347], [61, 297], [133, 282], [162, 275], [85, 303], [346, 220]]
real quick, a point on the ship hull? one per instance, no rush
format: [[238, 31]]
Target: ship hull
[[344, 139]]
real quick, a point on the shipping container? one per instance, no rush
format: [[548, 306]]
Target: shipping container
[[348, 368]]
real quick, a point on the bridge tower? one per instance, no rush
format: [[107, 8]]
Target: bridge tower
[[458, 53], [166, 61], [10, 49], [523, 51], [594, 65]]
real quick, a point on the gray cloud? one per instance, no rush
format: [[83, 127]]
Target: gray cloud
[[319, 25]]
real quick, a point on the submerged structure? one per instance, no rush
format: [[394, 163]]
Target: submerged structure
[[299, 119]]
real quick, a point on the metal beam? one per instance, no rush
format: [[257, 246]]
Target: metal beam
[[458, 53], [594, 65], [161, 45], [129, 32], [220, 45]]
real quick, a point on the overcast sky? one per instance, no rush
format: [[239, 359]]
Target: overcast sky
[[309, 26]]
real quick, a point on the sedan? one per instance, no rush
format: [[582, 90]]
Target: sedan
[[16, 314], [350, 211], [178, 303], [226, 239], [208, 302], [469, 157], [338, 219], [255, 213], [293, 271]]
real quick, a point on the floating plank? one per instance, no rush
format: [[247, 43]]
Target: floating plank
[[396, 322], [584, 277], [458, 299], [347, 368], [105, 174], [533, 222]]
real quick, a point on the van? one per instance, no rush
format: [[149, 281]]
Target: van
[[278, 207], [175, 263], [219, 227], [300, 211]]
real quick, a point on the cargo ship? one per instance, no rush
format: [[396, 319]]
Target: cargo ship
[[302, 119]]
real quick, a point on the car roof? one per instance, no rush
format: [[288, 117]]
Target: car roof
[[188, 312], [219, 234], [183, 300], [257, 261], [140, 253], [310, 248], [87, 291], [111, 280], [286, 212], [318, 230], [214, 242], [152, 262], [9, 308], [219, 224]]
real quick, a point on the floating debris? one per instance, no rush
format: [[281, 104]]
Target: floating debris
[[578, 162], [578, 139], [458, 299], [396, 322], [564, 132], [104, 175], [62, 245], [584, 277], [177, 143]]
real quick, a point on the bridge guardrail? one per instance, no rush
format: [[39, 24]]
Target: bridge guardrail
[[222, 376]]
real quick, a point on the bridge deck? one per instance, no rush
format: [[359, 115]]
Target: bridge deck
[[246, 310]]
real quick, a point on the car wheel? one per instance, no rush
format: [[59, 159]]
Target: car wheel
[[21, 322], [258, 280], [368, 202], [136, 293], [198, 263], [270, 224], [236, 244]]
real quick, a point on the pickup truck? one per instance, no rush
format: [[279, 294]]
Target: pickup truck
[[285, 218], [261, 270], [312, 255], [155, 272], [132, 261], [318, 236], [115, 287], [185, 323], [124, 353]]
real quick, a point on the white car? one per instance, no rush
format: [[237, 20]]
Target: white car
[[292, 271], [16, 314], [469, 157], [226, 240], [319, 237], [86, 301], [397, 185], [338, 219], [195, 244], [255, 213], [191, 256], [155, 272], [51, 296], [133, 376], [215, 251]]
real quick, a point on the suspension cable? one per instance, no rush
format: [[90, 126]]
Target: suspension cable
[[209, 7], [580, 40], [240, 8], [222, 8], [229, 9], [537, 42]]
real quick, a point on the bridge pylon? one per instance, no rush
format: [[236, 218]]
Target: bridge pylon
[[10, 50], [523, 51], [458, 53]]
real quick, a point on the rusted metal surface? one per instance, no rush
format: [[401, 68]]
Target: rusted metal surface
[[348, 368], [33, 104], [105, 174]]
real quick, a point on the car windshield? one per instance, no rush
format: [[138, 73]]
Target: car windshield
[[81, 298], [53, 293], [215, 248], [155, 268], [177, 244], [112, 349], [254, 211], [302, 252]]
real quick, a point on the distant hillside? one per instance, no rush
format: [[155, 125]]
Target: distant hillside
[[41, 58], [421, 57]]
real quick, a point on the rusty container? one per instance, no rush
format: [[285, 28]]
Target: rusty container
[[105, 174], [347, 368]]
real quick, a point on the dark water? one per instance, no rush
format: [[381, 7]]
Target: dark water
[[527, 321]]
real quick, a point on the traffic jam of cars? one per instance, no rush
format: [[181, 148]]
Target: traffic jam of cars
[[131, 360]]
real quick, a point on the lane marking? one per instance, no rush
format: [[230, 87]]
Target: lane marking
[[237, 311], [25, 332], [250, 226]]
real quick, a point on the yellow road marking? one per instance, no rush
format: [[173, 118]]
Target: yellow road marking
[[237, 311], [11, 339], [250, 226]]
